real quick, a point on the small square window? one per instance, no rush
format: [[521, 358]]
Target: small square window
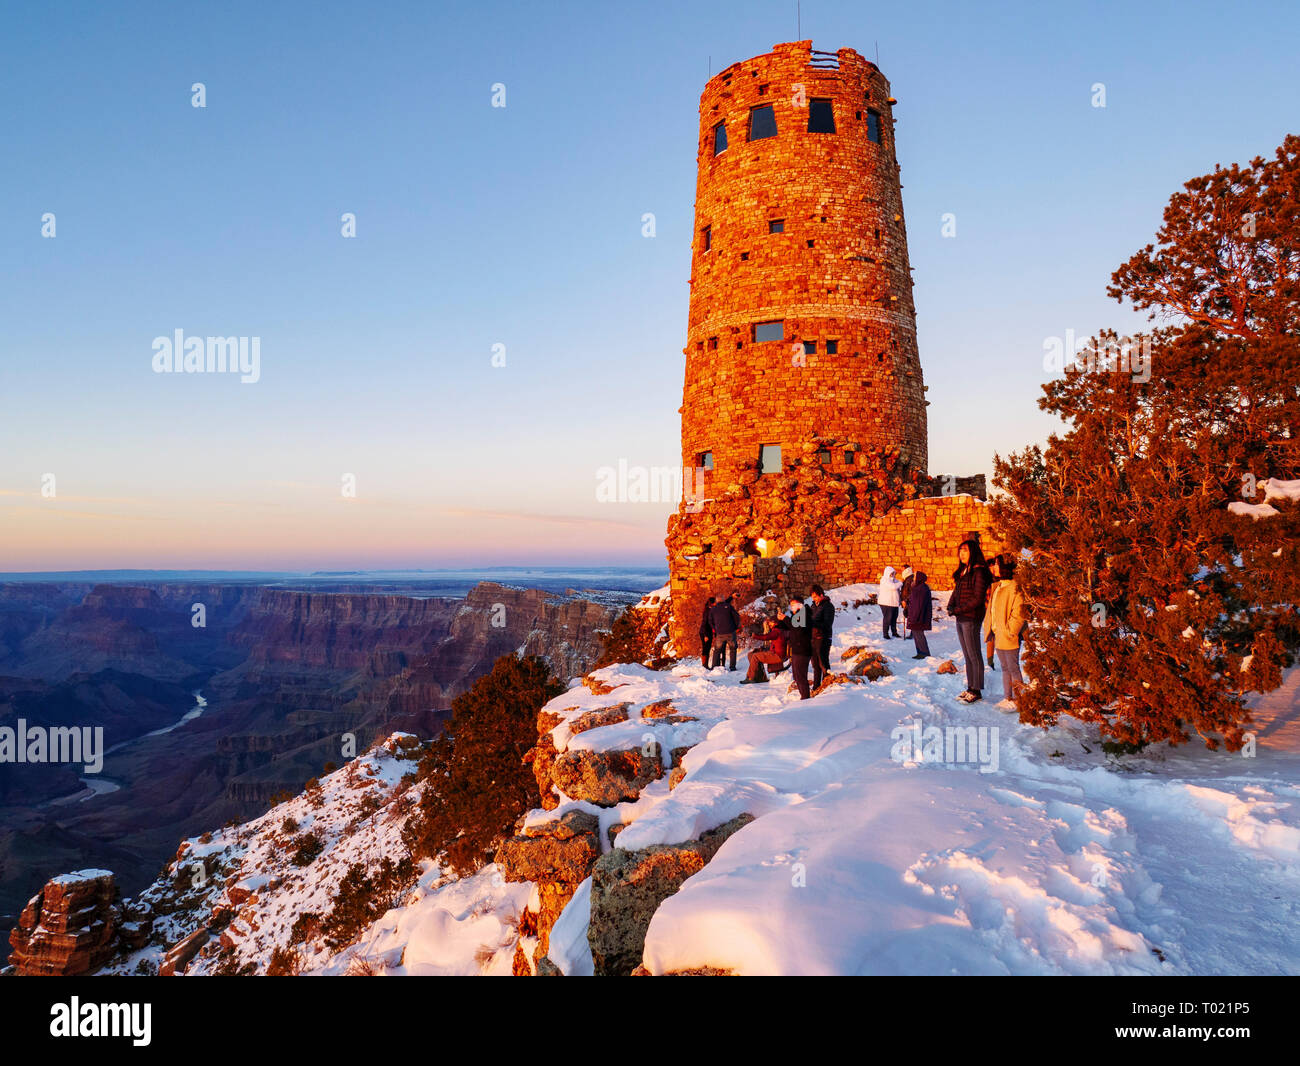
[[857, 115], [719, 138], [873, 126], [810, 244], [848, 456], [769, 331], [699, 346], [821, 116], [824, 457], [739, 345], [832, 347], [809, 347], [877, 234], [769, 459], [762, 90], [776, 225], [762, 123], [744, 256], [706, 460], [713, 344], [706, 238]]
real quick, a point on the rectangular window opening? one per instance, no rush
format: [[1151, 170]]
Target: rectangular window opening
[[821, 116], [768, 331], [848, 456], [809, 347], [873, 126], [705, 460], [713, 344], [769, 459], [776, 225], [719, 138], [824, 457], [762, 122], [706, 238], [832, 347]]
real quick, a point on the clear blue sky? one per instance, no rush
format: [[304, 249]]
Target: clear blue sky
[[521, 226]]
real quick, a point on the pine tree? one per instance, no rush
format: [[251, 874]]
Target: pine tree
[[1158, 606], [477, 783]]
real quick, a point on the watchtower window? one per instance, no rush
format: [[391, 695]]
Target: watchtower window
[[706, 238], [713, 344], [821, 116], [719, 138], [848, 456], [824, 456], [832, 347], [776, 225], [762, 90], [873, 126], [769, 459], [762, 122], [769, 331], [705, 461], [809, 347]]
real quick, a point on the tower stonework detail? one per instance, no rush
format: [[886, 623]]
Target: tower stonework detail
[[803, 411]]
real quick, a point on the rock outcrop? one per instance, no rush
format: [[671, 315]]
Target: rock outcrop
[[628, 886], [72, 926]]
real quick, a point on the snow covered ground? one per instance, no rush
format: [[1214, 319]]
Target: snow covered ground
[[1062, 860], [897, 831]]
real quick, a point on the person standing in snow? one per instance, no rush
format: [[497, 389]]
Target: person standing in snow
[[773, 656], [798, 641], [888, 598], [822, 621], [725, 621], [1005, 625], [706, 631], [919, 610], [903, 593], [967, 605]]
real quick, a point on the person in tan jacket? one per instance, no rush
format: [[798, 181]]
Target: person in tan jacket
[[1005, 622]]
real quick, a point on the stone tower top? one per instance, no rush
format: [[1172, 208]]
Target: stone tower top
[[801, 318]]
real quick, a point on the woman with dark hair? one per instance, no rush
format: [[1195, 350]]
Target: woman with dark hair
[[1006, 626], [706, 631], [970, 585]]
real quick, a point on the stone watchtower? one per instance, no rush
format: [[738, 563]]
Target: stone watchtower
[[803, 412]]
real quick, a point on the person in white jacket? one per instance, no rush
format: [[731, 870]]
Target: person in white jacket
[[887, 597]]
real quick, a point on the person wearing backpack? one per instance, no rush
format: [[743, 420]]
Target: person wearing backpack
[[967, 605]]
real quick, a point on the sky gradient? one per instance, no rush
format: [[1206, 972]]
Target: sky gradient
[[519, 226]]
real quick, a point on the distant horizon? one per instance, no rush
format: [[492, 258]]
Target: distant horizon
[[574, 568]]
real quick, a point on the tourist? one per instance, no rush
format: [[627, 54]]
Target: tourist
[[888, 598], [725, 623], [919, 610], [706, 631], [966, 605], [903, 593], [798, 641], [822, 621], [773, 656], [1006, 625], [994, 579]]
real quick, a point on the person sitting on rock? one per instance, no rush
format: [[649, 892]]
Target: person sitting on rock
[[773, 656]]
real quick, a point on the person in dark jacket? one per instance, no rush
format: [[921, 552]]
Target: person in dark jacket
[[798, 641], [706, 631], [822, 620], [967, 604], [726, 622], [919, 609], [903, 593], [773, 655]]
